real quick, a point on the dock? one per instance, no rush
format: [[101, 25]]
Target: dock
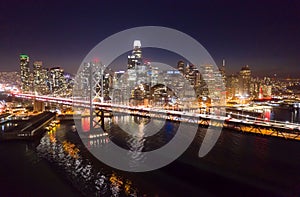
[[29, 129]]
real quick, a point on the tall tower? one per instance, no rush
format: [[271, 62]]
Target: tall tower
[[244, 81], [136, 58], [191, 74], [138, 75], [40, 78], [232, 86], [57, 81], [24, 73], [181, 67], [37, 76], [137, 52], [223, 71]]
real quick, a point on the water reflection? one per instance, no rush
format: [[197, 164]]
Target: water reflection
[[95, 138], [133, 125], [136, 144], [89, 179], [251, 159]]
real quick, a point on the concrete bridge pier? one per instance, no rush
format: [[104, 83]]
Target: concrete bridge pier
[[38, 106]]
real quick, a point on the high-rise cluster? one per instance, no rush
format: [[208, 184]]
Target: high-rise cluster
[[43, 81], [243, 86], [93, 81], [144, 83], [150, 84]]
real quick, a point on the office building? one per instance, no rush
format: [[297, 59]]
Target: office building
[[244, 82], [232, 86], [57, 81], [25, 73], [40, 78], [181, 67]]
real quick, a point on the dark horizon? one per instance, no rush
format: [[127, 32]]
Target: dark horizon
[[263, 35]]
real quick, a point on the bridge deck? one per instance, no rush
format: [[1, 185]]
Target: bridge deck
[[245, 124]]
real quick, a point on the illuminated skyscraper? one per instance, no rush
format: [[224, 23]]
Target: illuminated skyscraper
[[138, 74], [244, 81], [214, 85], [232, 85], [25, 73], [57, 81], [154, 73], [223, 71], [136, 58], [181, 67], [39, 78], [190, 74]]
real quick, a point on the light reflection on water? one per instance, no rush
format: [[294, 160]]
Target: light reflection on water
[[248, 157], [79, 168], [136, 144], [56, 147]]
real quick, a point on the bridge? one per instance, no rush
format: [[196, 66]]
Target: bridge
[[244, 123]]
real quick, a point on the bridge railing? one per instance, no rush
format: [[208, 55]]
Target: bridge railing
[[254, 120]]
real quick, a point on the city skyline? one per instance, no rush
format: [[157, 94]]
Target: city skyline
[[149, 98], [62, 33], [120, 64], [141, 77]]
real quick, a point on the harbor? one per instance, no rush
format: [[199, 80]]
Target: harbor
[[30, 128]]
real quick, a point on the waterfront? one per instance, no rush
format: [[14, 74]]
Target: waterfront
[[239, 164], [178, 68]]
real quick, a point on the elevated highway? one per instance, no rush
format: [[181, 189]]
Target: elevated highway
[[244, 123]]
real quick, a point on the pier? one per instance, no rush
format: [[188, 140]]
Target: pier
[[28, 129]]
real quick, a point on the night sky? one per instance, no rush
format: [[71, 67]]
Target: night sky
[[263, 34]]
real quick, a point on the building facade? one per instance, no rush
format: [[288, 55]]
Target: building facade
[[244, 82], [25, 73]]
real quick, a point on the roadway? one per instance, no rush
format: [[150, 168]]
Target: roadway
[[223, 119]]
